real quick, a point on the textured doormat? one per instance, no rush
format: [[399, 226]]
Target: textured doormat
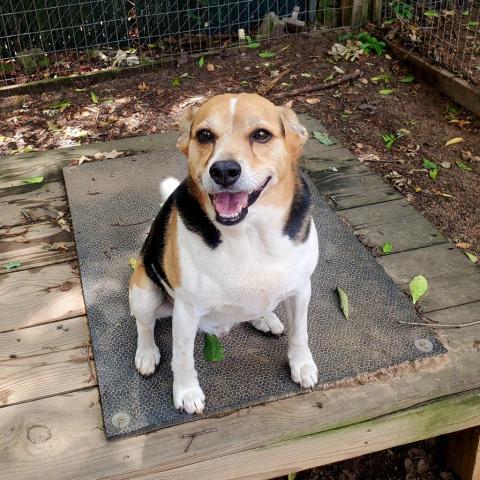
[[113, 203]]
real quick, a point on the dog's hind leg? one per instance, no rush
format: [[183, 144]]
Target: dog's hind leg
[[147, 303], [269, 323]]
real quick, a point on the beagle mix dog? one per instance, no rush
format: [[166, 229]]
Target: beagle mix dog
[[231, 241]]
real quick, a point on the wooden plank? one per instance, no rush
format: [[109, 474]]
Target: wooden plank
[[40, 295], [353, 187], [35, 245], [461, 450], [39, 202], [15, 168], [43, 339], [453, 280], [410, 425], [77, 437], [396, 222], [39, 376]]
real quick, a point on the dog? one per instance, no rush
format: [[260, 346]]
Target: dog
[[232, 240]]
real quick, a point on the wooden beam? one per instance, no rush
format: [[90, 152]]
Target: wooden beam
[[462, 452]]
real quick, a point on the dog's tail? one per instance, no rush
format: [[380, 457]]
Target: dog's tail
[[167, 187]]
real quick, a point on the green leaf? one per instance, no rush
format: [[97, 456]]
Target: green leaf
[[431, 13], [386, 91], [306, 75], [387, 248], [267, 54], [471, 256], [292, 476], [473, 24], [94, 97], [429, 164], [343, 301], [322, 138], [466, 13], [176, 82], [389, 139], [201, 62], [60, 105], [251, 43], [463, 166], [433, 174], [133, 262], [213, 349], [407, 79], [244, 83], [12, 265], [380, 78], [418, 287], [33, 180]]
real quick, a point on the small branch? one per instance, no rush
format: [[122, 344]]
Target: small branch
[[438, 325], [192, 436], [264, 89], [321, 86]]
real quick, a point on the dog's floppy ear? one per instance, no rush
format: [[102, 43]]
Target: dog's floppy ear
[[185, 126], [295, 133]]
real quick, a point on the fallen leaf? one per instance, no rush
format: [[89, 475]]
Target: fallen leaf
[[446, 165], [33, 180], [433, 174], [142, 87], [112, 154], [471, 256], [386, 91], [210, 67], [463, 166], [454, 141], [312, 101], [201, 62], [387, 247], [213, 349], [267, 54], [462, 245], [133, 262], [429, 164], [322, 138], [343, 301], [407, 79], [94, 97], [418, 287], [12, 265], [62, 223], [442, 194], [82, 159]]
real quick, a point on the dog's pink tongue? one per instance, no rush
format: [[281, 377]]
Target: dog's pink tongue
[[230, 203]]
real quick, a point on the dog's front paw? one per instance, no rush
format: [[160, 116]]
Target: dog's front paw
[[303, 369], [147, 359], [189, 397], [269, 323]]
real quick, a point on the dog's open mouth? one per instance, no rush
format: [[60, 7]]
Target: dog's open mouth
[[232, 207]]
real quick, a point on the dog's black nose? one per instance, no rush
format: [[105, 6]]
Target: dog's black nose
[[225, 172]]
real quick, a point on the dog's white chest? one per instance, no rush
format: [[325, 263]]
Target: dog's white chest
[[246, 276]]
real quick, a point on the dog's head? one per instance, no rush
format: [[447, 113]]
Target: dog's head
[[241, 149]]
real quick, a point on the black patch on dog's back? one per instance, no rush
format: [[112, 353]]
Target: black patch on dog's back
[[194, 217], [298, 223]]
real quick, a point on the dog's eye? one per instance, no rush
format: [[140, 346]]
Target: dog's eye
[[261, 135], [205, 136]]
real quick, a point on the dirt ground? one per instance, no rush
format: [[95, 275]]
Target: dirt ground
[[357, 113]]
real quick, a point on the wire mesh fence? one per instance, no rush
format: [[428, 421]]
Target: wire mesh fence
[[446, 31], [44, 39]]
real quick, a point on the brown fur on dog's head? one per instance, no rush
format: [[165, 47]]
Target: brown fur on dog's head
[[265, 139]]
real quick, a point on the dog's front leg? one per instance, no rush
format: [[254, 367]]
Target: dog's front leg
[[302, 367], [187, 394]]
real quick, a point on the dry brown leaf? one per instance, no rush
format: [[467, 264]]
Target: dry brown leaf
[[210, 67], [312, 101], [454, 141], [142, 87], [462, 245]]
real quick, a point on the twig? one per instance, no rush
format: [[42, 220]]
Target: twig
[[438, 325], [264, 89], [321, 86], [380, 161], [192, 436]]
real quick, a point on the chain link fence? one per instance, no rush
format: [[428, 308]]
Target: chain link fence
[[44, 39], [445, 31]]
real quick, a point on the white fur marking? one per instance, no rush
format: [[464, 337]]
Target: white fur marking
[[233, 106], [167, 187]]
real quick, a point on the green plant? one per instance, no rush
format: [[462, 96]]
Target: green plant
[[251, 43], [389, 139], [402, 10], [371, 44]]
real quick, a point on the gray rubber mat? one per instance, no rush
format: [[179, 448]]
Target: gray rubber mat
[[112, 204]]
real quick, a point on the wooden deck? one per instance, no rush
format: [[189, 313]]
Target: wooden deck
[[50, 416]]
